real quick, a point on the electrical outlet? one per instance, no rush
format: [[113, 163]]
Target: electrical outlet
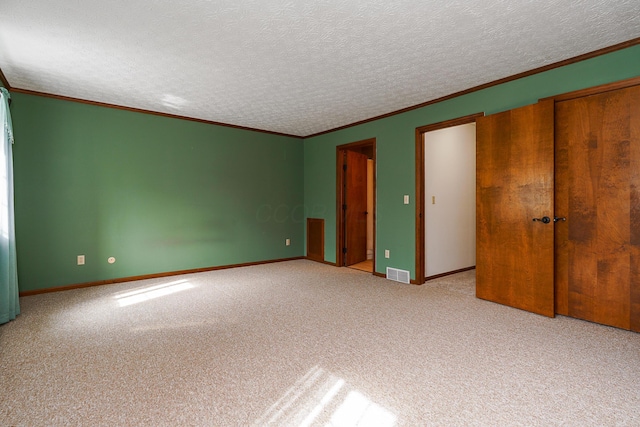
[[287, 242], [387, 253], [80, 259]]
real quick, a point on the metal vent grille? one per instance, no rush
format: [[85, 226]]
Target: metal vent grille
[[398, 275]]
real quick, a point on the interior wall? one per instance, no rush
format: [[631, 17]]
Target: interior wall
[[395, 145], [450, 199], [158, 194]]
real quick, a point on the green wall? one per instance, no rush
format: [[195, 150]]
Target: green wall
[[395, 140], [158, 194]]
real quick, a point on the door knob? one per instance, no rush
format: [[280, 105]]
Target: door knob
[[556, 219], [544, 219]]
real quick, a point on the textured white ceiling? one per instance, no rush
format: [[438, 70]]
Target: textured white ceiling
[[292, 66]]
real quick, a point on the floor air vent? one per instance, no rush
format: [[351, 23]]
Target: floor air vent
[[398, 275]]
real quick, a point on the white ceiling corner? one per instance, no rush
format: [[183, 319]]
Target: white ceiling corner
[[291, 66]]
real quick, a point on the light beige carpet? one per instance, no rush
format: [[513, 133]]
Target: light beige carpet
[[306, 344]]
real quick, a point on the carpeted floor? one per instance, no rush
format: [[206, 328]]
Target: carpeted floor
[[305, 344]]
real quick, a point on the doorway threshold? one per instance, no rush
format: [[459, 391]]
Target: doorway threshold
[[363, 266]]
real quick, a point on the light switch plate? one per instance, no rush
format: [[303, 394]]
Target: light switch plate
[[80, 259], [406, 199]]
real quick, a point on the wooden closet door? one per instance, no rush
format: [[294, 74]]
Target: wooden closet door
[[514, 184], [355, 190], [598, 183]]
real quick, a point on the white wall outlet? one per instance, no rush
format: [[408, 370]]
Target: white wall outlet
[[287, 242], [80, 259], [111, 260], [387, 253], [406, 199]]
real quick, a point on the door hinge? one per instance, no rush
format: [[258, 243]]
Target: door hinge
[[344, 167], [344, 250], [344, 207]]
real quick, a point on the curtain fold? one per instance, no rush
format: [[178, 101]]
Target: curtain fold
[[9, 301]]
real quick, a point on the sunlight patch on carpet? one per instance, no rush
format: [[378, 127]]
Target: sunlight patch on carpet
[[321, 398], [151, 292]]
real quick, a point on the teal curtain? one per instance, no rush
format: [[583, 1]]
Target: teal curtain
[[9, 302]]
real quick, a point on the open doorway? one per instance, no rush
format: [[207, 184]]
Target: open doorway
[[355, 205], [450, 200], [446, 189]]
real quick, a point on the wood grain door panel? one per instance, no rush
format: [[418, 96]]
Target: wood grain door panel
[[356, 211], [514, 184], [634, 213], [598, 190], [315, 239]]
